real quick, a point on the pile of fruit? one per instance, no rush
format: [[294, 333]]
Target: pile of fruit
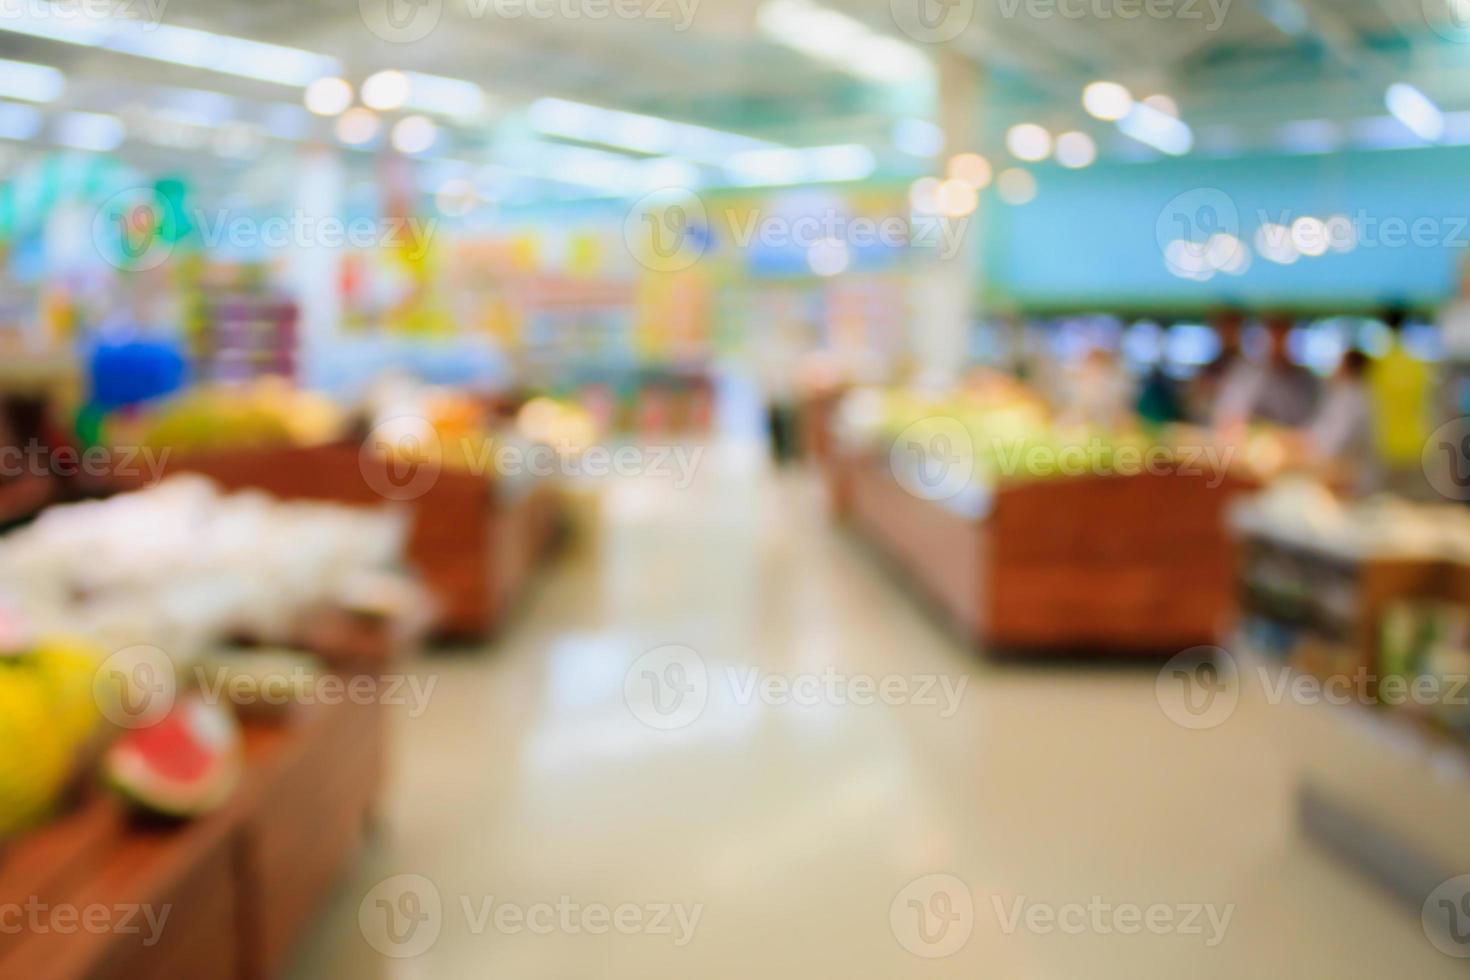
[[262, 414], [1008, 432], [48, 721], [183, 566]]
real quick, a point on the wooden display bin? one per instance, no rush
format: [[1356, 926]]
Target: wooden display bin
[[239, 885], [473, 544], [1099, 564], [1338, 599]]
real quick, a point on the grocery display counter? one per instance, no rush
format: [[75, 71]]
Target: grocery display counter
[[474, 542], [1121, 565], [238, 886]]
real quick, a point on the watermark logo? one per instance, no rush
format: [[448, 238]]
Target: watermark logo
[[934, 458], [1208, 14], [147, 14], [402, 916], [401, 458], [1198, 233], [136, 686], [933, 917], [37, 459], [1445, 917], [38, 918], [1199, 688], [667, 688], [667, 230], [1102, 917], [1450, 19], [401, 21], [219, 684], [133, 230], [932, 21], [1446, 459]]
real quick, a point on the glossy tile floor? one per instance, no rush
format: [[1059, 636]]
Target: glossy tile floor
[[558, 811]]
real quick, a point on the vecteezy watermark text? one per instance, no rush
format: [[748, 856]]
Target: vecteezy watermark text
[[407, 21], [1210, 14], [668, 688], [138, 229], [1200, 688], [36, 459], [934, 916], [403, 916], [403, 458], [36, 917], [672, 229], [147, 14]]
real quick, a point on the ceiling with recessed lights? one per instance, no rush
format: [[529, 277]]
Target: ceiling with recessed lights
[[791, 89]]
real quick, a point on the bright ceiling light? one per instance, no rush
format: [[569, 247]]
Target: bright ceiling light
[[414, 134], [32, 83], [19, 122], [971, 168], [844, 43], [385, 90], [1309, 236], [1415, 110], [1108, 101], [94, 131], [584, 123], [178, 45], [328, 96], [1029, 142], [924, 195], [357, 126], [813, 165], [1158, 130], [956, 199], [1076, 150], [1016, 186], [453, 97]]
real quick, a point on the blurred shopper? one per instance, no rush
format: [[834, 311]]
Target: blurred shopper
[[1340, 439], [1273, 390], [1096, 392], [1454, 333], [1203, 395], [1401, 388], [1160, 400]]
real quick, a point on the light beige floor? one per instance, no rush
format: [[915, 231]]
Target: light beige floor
[[795, 827]]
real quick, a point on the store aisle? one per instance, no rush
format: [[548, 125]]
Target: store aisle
[[552, 824]]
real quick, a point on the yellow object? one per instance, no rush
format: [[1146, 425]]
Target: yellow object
[[1400, 387], [47, 717]]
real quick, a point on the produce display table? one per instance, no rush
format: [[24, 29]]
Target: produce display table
[[239, 885], [473, 541], [1116, 564]]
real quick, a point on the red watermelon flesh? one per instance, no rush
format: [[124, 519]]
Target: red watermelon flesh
[[185, 764]]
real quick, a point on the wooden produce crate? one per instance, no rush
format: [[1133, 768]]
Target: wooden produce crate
[[1337, 600], [1123, 565], [239, 884]]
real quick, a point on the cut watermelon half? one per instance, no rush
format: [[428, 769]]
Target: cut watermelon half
[[186, 764]]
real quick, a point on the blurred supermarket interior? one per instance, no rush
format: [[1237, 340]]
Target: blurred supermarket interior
[[714, 488]]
